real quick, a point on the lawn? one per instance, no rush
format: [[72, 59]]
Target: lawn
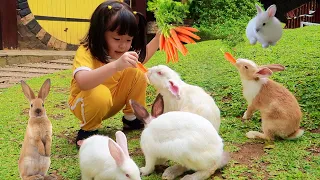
[[298, 51]]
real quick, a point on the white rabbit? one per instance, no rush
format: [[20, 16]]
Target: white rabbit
[[264, 27], [102, 158], [180, 96], [183, 137]]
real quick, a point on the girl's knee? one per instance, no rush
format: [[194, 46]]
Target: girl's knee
[[98, 98]]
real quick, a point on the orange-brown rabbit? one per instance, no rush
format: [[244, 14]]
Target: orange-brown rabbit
[[34, 160], [280, 111]]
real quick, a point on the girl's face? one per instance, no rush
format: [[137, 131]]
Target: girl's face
[[117, 44]]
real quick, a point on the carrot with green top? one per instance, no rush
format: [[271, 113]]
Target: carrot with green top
[[177, 41], [186, 32], [190, 28], [186, 39]]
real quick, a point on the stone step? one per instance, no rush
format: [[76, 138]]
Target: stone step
[[19, 74], [27, 70], [46, 66], [61, 61]]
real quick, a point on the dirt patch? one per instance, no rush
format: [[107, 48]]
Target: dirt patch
[[25, 111], [248, 152], [62, 90], [316, 130], [227, 98], [62, 105], [56, 116], [70, 137], [315, 150], [136, 152]]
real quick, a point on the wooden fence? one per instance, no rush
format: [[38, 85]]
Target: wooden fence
[[309, 12]]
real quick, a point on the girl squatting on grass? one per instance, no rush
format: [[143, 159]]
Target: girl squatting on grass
[[104, 73]]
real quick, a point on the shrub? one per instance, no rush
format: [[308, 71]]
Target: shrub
[[222, 19]]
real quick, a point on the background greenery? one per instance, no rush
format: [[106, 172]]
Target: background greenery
[[298, 51]]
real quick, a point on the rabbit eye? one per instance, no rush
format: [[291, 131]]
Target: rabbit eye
[[160, 73], [246, 67], [263, 24], [128, 176], [42, 105], [31, 105]]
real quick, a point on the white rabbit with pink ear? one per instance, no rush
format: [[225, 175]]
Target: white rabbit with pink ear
[[183, 137], [180, 96], [101, 158], [264, 27]]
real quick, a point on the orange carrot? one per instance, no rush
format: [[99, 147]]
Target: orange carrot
[[178, 42], [186, 32], [186, 39], [169, 45], [141, 67], [230, 58], [190, 29], [166, 51], [161, 42]]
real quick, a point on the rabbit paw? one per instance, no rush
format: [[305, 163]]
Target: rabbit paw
[[265, 45], [188, 177], [37, 177], [251, 134], [145, 171], [253, 41], [246, 116], [50, 177]]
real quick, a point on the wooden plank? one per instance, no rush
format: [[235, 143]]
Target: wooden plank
[[27, 70], [61, 61], [46, 66], [18, 74]]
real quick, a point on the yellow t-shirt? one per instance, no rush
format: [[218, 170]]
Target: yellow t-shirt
[[83, 60]]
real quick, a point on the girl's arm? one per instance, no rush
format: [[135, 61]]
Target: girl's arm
[[152, 47], [87, 80]]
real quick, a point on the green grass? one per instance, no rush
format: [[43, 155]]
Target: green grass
[[205, 66]]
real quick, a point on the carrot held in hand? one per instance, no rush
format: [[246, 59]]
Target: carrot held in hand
[[190, 29], [178, 43], [141, 67]]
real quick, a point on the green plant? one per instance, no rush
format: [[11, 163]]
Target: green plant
[[222, 19]]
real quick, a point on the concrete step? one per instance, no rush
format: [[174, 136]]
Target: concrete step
[[13, 74]]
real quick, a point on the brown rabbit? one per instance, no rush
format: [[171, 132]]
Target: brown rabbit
[[34, 158], [280, 111]]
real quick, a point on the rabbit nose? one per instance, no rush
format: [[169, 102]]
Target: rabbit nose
[[38, 111], [257, 29]]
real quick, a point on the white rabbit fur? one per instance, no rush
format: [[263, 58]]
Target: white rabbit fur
[[183, 137], [264, 27], [180, 96], [98, 160]]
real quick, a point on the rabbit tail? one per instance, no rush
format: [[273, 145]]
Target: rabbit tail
[[298, 133]]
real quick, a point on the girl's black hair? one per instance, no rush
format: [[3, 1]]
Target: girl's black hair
[[122, 19]]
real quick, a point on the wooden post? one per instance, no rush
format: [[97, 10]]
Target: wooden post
[[8, 24], [140, 6]]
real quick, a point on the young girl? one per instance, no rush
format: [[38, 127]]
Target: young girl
[[105, 76]]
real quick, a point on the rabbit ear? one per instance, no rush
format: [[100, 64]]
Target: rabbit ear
[[45, 88], [139, 111], [157, 107], [274, 67], [264, 72], [259, 10], [174, 89], [272, 10], [122, 141], [116, 152], [27, 91]]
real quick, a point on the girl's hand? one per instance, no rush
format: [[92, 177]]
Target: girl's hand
[[128, 59]]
